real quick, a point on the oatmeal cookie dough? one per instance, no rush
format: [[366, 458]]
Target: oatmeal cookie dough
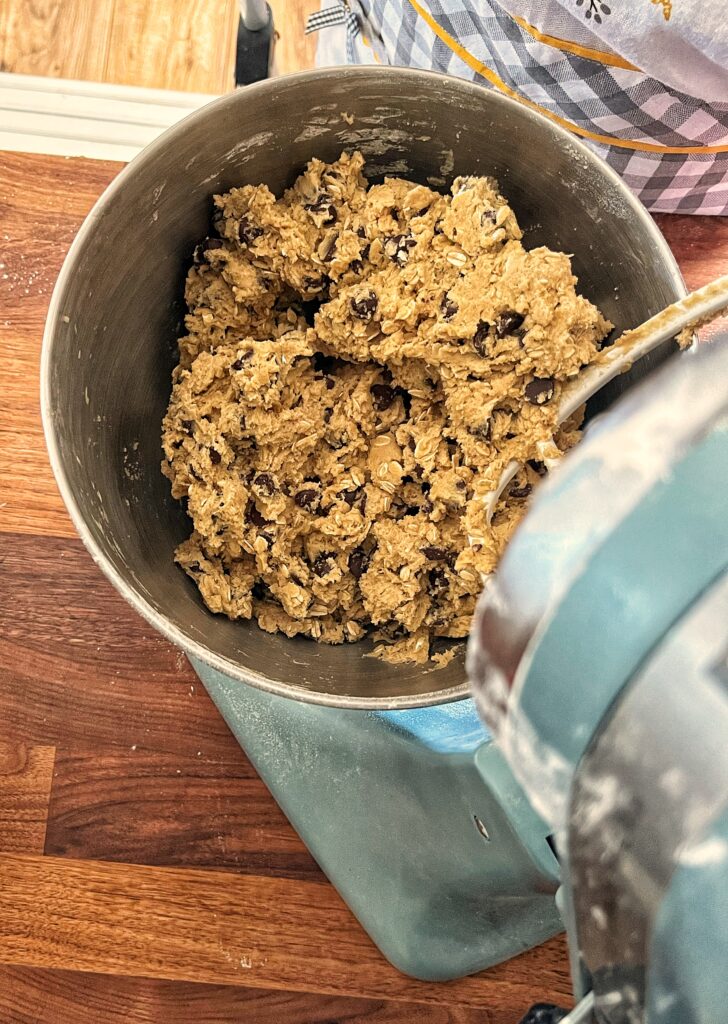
[[359, 365]]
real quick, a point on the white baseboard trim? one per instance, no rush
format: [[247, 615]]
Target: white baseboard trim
[[64, 117]]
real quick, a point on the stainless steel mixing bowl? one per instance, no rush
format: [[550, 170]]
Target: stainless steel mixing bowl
[[117, 309]]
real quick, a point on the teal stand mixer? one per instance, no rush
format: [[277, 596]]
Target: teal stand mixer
[[598, 655], [602, 661], [453, 872]]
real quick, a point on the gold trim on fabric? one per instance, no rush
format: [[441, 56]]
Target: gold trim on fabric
[[605, 140], [601, 56]]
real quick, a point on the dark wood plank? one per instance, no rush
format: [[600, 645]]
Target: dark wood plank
[[168, 809], [25, 785], [700, 245], [147, 771], [79, 668], [208, 926], [43, 201], [35, 996]]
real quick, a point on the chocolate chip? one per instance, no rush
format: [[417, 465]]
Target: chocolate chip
[[487, 217], [330, 383], [352, 497], [397, 247], [322, 564], [252, 515], [241, 360], [480, 337], [356, 266], [306, 498], [448, 308], [357, 497], [315, 284], [323, 208], [537, 467], [358, 561], [382, 396], [187, 425], [461, 485], [327, 415], [247, 231], [436, 582], [521, 492], [539, 390], [507, 323], [361, 232], [365, 307], [215, 457], [434, 554], [482, 432], [265, 483], [200, 250]]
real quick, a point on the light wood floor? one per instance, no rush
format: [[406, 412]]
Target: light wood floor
[[166, 44]]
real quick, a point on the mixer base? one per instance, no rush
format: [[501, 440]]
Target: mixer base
[[415, 819]]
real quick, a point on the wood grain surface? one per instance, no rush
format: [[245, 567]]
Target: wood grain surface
[[31, 996], [168, 44], [294, 50], [25, 787], [146, 875]]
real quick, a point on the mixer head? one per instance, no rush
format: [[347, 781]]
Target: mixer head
[[599, 656]]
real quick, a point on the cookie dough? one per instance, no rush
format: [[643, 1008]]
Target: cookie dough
[[359, 365]]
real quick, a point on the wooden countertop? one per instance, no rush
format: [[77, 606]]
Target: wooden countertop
[[146, 875]]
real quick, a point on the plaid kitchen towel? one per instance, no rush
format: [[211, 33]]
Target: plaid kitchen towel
[[643, 82]]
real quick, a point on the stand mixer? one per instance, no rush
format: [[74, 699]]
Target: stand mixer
[[600, 657], [443, 848]]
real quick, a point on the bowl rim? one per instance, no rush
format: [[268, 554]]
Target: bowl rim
[[144, 607]]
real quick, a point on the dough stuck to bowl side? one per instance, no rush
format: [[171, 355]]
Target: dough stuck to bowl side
[[360, 363]]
